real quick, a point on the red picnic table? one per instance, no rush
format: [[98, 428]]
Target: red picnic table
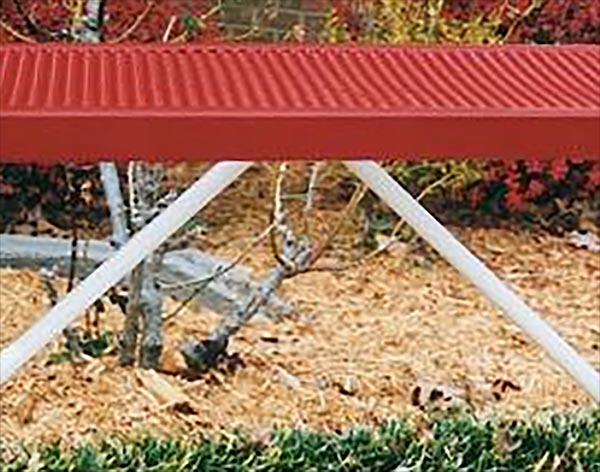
[[89, 103]]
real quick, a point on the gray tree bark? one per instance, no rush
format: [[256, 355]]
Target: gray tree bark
[[146, 296], [180, 268], [90, 29], [116, 206]]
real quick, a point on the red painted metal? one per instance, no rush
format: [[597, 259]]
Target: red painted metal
[[86, 103]]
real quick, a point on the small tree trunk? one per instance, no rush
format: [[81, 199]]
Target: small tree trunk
[[146, 299], [114, 197], [151, 304], [90, 30], [129, 336], [202, 355]]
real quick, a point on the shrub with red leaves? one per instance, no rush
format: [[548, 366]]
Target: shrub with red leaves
[[124, 20], [154, 19], [531, 186], [561, 21], [553, 21]]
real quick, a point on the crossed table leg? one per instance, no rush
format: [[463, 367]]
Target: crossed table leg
[[214, 182]]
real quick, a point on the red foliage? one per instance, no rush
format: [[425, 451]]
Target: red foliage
[[535, 189], [514, 199], [558, 169], [555, 21], [562, 21], [152, 18], [513, 186], [594, 176]]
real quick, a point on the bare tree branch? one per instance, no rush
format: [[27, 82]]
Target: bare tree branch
[[279, 217], [34, 29], [310, 195], [393, 239], [179, 267], [125, 34], [167, 32], [202, 20], [128, 339], [295, 258], [48, 277], [357, 196], [202, 283], [202, 355], [16, 34]]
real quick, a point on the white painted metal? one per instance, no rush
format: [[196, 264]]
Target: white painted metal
[[118, 266], [473, 269]]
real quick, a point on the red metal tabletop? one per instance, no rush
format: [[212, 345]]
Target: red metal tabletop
[[91, 102]]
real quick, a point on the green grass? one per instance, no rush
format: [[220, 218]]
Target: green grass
[[453, 443]]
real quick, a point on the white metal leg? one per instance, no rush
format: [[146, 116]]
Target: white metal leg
[[473, 269], [119, 265]]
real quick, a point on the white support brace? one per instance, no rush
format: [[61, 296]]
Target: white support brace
[[473, 269], [118, 266]]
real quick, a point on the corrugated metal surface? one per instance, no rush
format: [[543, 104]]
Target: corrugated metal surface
[[212, 102]]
